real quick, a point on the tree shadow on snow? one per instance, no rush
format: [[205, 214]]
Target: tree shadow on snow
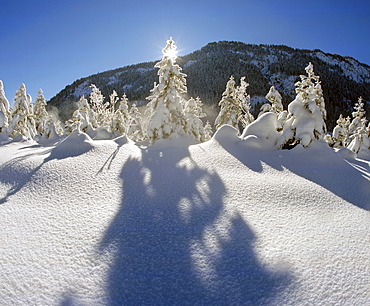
[[317, 163], [173, 242], [18, 175]]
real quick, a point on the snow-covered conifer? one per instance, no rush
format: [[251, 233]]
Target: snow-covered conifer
[[135, 131], [121, 119], [234, 105], [207, 131], [4, 109], [97, 105], [275, 99], [83, 118], [165, 109], [75, 123], [229, 106], [340, 132], [22, 119], [40, 113], [305, 121], [193, 123], [245, 117], [357, 115], [360, 138]]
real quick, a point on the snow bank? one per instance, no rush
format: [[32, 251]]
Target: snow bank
[[107, 222]]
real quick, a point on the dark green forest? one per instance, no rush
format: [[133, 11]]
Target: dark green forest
[[343, 79]]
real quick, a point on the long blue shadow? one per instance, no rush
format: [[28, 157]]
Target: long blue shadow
[[152, 239]]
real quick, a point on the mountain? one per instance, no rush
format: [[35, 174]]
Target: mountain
[[344, 79]]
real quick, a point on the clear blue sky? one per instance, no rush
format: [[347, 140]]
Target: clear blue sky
[[49, 44]]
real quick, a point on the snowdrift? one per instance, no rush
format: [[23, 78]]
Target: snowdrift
[[226, 222]]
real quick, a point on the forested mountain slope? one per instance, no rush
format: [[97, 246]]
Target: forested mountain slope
[[344, 79]]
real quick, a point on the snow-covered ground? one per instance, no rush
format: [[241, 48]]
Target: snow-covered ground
[[109, 222]]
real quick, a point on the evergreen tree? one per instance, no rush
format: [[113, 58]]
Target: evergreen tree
[[275, 99], [193, 123], [135, 130], [357, 115], [22, 119], [4, 109], [340, 132], [165, 109], [229, 106], [305, 121], [40, 113], [360, 138], [207, 131], [245, 117], [121, 119], [82, 119], [234, 105], [97, 106]]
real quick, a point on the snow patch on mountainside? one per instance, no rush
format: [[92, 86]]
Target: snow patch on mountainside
[[351, 68]]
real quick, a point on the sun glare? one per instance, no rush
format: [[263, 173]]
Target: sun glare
[[170, 49]]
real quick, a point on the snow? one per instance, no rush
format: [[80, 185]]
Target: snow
[[109, 222], [351, 68], [84, 89], [189, 63]]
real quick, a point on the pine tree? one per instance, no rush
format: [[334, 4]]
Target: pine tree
[[165, 109], [234, 105], [229, 106], [207, 131], [275, 99], [360, 138], [245, 117], [121, 119], [40, 113], [193, 123], [97, 106], [83, 119], [357, 115], [305, 121], [22, 119], [340, 132], [135, 130], [4, 109]]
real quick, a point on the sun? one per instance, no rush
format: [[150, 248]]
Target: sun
[[170, 50]]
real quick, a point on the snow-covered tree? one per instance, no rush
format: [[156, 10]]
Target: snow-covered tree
[[234, 105], [193, 123], [360, 138], [229, 106], [305, 122], [4, 109], [165, 109], [97, 106], [274, 97], [207, 131], [82, 119], [135, 131], [245, 117], [40, 113], [357, 115], [22, 118], [340, 133], [51, 129], [121, 119]]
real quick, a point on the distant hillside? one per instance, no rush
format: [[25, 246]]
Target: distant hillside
[[344, 79]]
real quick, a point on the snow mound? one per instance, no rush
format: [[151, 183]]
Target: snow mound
[[262, 133], [110, 222], [74, 144]]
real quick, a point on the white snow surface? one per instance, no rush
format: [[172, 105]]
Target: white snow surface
[[109, 222]]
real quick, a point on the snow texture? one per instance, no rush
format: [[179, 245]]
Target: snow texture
[[88, 222]]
